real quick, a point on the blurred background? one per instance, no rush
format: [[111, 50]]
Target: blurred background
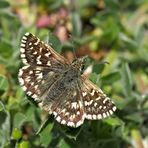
[[108, 31]]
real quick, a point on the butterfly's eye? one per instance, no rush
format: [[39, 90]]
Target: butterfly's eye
[[82, 68]]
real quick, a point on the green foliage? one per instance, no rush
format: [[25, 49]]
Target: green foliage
[[16, 133], [4, 4], [113, 34]]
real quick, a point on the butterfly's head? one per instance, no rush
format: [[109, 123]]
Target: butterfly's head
[[79, 63]]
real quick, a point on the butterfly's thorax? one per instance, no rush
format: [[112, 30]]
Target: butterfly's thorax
[[69, 79], [71, 76]]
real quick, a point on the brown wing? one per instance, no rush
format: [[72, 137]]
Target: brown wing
[[71, 111], [36, 52], [41, 63], [96, 104]]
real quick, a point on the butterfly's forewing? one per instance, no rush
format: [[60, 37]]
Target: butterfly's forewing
[[42, 63], [36, 52], [96, 104]]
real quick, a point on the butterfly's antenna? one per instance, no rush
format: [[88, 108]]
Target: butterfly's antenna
[[72, 42]]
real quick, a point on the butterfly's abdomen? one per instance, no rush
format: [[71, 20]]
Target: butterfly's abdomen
[[56, 90]]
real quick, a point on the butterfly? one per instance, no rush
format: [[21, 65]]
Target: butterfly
[[60, 87]]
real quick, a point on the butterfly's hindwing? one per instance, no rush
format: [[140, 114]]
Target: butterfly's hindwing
[[96, 104], [31, 78], [71, 111]]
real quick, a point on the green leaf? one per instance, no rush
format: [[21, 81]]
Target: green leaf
[[131, 44], [19, 94], [5, 129], [135, 117], [94, 78], [16, 133], [4, 4], [54, 6], [8, 49], [6, 17], [55, 43], [2, 107], [3, 116], [71, 133], [110, 78], [63, 144], [19, 119], [45, 136], [43, 125], [76, 23], [126, 80], [32, 114], [113, 121], [24, 144], [98, 68], [3, 83]]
